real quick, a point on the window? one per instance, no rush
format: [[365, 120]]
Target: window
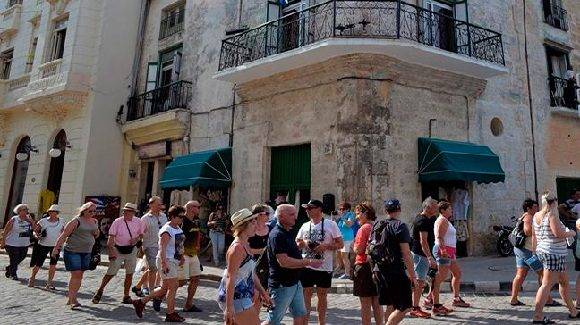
[[152, 70], [30, 60], [170, 66], [6, 63], [172, 21], [439, 25], [561, 78], [56, 50], [554, 14]]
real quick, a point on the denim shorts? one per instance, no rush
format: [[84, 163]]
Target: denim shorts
[[76, 261], [240, 305], [285, 298], [421, 266], [527, 260]]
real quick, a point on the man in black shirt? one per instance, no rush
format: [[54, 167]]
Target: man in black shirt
[[285, 262], [423, 242], [191, 268], [396, 279]]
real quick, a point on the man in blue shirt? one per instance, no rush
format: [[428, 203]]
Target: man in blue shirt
[[285, 263]]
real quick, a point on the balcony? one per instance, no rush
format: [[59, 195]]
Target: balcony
[[557, 17], [172, 24], [173, 96], [563, 93], [341, 27], [10, 19]]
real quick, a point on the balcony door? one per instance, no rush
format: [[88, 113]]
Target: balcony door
[[170, 69], [440, 25]]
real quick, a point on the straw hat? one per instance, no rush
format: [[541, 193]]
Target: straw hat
[[241, 216], [53, 208], [130, 207], [19, 207]]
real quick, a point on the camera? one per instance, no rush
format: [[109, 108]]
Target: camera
[[43, 233], [312, 246]]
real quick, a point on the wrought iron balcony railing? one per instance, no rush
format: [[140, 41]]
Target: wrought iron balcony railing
[[563, 93], [557, 17], [172, 24], [159, 100], [361, 19]]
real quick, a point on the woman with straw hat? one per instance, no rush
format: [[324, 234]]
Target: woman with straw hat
[[47, 231], [237, 291], [16, 238], [79, 234]]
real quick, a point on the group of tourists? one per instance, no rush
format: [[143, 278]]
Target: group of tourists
[[271, 265]]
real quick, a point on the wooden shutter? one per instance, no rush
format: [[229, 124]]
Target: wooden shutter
[[152, 72]]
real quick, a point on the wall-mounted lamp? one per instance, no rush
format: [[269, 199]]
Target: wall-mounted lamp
[[54, 152], [25, 153], [132, 173]]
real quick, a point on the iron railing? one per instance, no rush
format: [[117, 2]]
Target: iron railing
[[172, 24], [162, 99], [562, 92], [366, 19], [557, 16]]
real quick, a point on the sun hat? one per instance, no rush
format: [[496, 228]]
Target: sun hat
[[130, 206], [53, 208], [241, 216], [19, 207]]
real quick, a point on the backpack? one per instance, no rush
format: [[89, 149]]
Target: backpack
[[517, 237], [378, 248]]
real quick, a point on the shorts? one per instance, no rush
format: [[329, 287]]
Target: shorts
[[76, 261], [190, 268], [421, 266], [151, 257], [553, 262], [525, 259], [240, 305], [347, 246], [128, 261], [394, 290], [314, 278], [173, 271], [286, 298], [39, 254], [443, 260], [363, 281]]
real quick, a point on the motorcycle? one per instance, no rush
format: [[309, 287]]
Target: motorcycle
[[504, 246]]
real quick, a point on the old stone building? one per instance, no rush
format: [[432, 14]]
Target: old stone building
[[66, 68], [335, 97]]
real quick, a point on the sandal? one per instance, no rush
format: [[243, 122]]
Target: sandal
[[545, 320], [50, 287], [459, 302], [97, 297], [518, 303], [554, 303], [75, 306]]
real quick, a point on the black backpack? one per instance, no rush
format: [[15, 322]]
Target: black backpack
[[379, 248]]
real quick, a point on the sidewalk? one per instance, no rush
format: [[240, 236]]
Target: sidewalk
[[482, 274]]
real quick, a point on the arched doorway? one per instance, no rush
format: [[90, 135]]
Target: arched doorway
[[19, 171], [51, 193]]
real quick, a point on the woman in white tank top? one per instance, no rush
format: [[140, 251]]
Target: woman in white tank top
[[16, 239], [549, 240], [444, 253]]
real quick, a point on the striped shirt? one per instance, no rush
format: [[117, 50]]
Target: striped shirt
[[547, 242]]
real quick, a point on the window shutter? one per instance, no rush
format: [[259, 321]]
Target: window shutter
[[176, 66], [152, 72]]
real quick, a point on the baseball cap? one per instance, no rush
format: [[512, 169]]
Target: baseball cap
[[313, 204], [393, 205]]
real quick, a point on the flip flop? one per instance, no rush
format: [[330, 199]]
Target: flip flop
[[545, 320], [76, 306], [519, 303]]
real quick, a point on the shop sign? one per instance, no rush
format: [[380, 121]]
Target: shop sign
[[108, 209]]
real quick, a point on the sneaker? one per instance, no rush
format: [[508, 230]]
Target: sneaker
[[137, 291], [145, 292], [156, 304], [418, 313], [174, 318], [428, 303], [458, 302], [139, 307], [344, 277], [127, 300], [440, 311], [7, 272], [15, 278], [97, 297], [192, 309]]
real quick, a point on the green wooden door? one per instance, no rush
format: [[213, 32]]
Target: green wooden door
[[290, 170]]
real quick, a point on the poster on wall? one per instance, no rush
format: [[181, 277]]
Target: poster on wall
[[108, 209]]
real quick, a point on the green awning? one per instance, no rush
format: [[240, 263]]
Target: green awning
[[445, 160], [211, 168]]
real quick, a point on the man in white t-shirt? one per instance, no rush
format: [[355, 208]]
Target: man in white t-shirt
[[318, 238]]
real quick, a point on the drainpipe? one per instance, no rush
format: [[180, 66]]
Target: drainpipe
[[531, 107], [145, 4]]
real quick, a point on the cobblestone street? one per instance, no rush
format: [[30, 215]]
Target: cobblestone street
[[23, 305]]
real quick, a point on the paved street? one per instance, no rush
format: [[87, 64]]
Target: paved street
[[23, 305]]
